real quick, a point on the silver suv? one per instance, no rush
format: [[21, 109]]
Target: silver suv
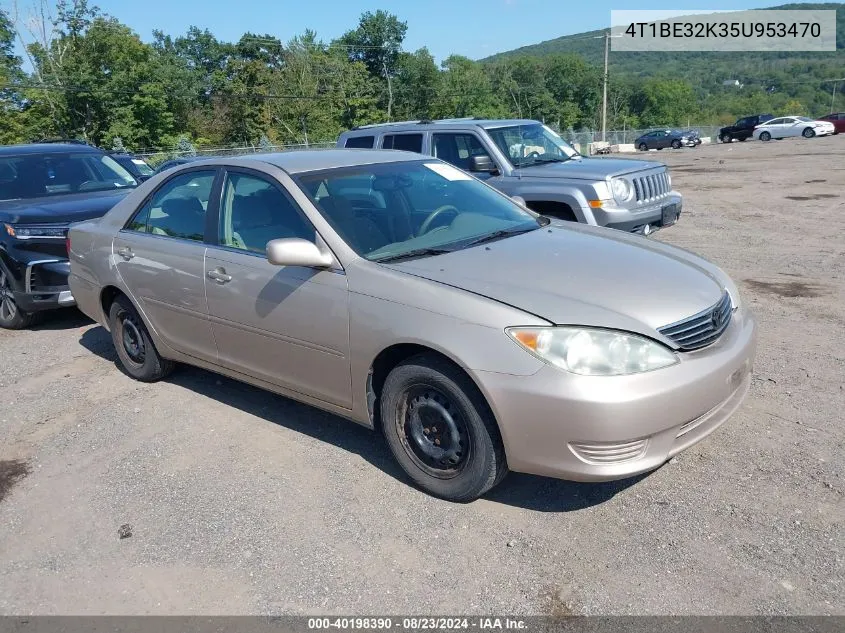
[[528, 161]]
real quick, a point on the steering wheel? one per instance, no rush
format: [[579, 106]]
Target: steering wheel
[[425, 227]]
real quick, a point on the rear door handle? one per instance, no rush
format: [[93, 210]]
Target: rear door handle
[[219, 275], [125, 252]]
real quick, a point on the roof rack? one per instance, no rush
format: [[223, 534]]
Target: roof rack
[[417, 122], [71, 141]]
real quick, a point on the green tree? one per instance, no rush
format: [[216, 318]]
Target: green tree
[[417, 84], [11, 100], [665, 102], [376, 42]]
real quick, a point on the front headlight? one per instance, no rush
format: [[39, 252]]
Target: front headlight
[[621, 189], [669, 180], [592, 351], [24, 232]]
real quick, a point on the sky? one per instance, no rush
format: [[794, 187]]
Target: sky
[[474, 28]]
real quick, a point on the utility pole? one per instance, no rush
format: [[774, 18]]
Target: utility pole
[[604, 95], [833, 97]]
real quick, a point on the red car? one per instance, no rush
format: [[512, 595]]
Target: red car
[[838, 120]]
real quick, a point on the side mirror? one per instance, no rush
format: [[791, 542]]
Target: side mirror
[[483, 163], [297, 252]]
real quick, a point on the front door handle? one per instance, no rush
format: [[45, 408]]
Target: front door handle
[[219, 275], [125, 252]]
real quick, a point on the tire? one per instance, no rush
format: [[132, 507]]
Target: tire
[[808, 132], [676, 144], [643, 147], [727, 138], [11, 316], [139, 358], [743, 139], [765, 136], [466, 457]]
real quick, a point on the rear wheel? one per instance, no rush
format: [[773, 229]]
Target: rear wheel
[[676, 144], [138, 356], [440, 429], [808, 132], [726, 138], [11, 316], [765, 136]]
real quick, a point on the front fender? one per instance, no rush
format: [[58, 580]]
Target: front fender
[[573, 197]]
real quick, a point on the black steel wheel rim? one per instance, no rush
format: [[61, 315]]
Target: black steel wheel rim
[[8, 307], [433, 431], [132, 340]]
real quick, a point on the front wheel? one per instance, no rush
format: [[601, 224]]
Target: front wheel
[[726, 138], [643, 147], [440, 429], [808, 132], [135, 349], [11, 316], [765, 136]]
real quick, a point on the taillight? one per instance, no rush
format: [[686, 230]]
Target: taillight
[[67, 245]]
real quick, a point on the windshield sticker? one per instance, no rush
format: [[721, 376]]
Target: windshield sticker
[[447, 171]]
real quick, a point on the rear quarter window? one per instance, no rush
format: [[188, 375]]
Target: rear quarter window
[[360, 142]]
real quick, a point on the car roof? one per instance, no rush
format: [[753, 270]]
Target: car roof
[[47, 148], [300, 161]]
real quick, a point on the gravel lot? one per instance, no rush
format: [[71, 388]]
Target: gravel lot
[[242, 502]]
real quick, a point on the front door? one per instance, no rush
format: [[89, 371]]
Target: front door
[[287, 325], [159, 255]]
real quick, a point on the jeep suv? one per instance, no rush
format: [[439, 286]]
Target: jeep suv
[[743, 128], [43, 189], [531, 163]]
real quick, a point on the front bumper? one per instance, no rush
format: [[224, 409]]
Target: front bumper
[[587, 428], [635, 220], [45, 286]]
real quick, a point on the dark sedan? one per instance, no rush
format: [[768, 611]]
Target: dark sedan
[[43, 189], [138, 167], [658, 139], [174, 162]]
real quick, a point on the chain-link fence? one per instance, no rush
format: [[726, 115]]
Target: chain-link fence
[[621, 137], [583, 138]]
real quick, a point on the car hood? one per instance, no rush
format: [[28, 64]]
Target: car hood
[[581, 276], [62, 209], [589, 168]]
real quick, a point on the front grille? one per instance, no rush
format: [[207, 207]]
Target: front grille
[[651, 187], [609, 452], [701, 329]]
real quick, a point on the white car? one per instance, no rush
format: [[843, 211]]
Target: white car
[[785, 126]]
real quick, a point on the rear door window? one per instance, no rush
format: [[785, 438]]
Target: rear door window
[[360, 142], [178, 208], [405, 142]]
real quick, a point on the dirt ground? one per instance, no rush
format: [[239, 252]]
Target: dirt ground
[[231, 500]]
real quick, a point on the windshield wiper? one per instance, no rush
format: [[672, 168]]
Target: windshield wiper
[[497, 235], [550, 159], [417, 252]]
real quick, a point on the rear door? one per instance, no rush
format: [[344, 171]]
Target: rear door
[[287, 325], [159, 256]]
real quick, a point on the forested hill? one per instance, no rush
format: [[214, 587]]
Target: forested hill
[[787, 82], [590, 46]]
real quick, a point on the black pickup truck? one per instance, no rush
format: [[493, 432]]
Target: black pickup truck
[[743, 128], [43, 189]]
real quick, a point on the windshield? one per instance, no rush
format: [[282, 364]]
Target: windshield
[[393, 210], [39, 175], [531, 144], [805, 119]]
